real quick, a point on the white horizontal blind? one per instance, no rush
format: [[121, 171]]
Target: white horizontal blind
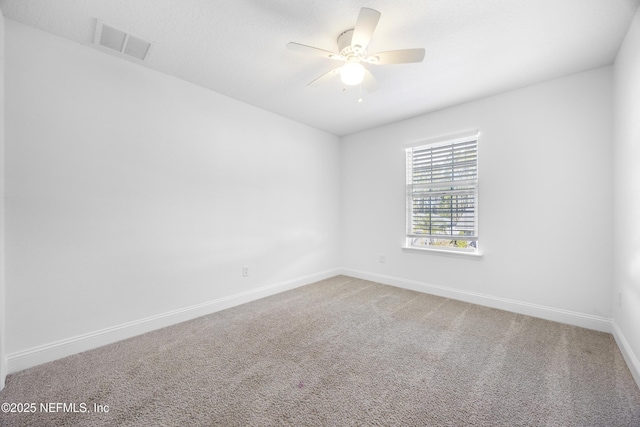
[[442, 182]]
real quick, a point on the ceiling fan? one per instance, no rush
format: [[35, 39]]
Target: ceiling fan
[[352, 47]]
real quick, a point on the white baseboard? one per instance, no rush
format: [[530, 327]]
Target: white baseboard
[[66, 347], [629, 356], [3, 370], [588, 321]]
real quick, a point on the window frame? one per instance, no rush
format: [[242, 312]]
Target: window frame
[[454, 188]]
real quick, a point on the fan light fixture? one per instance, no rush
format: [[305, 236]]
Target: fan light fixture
[[352, 48], [352, 73]]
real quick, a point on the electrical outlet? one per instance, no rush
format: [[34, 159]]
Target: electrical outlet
[[245, 270], [383, 259], [620, 299]]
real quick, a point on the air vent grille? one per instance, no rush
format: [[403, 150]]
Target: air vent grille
[[119, 41]]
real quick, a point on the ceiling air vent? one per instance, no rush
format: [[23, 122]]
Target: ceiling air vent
[[121, 42]]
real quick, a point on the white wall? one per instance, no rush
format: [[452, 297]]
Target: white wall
[[132, 194], [626, 169], [545, 203], [3, 361]]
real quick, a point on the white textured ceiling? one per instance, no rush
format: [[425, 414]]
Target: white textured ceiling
[[474, 48]]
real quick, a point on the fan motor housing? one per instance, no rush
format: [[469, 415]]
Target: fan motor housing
[[346, 49]]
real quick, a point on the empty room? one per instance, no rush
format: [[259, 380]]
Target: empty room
[[411, 213]]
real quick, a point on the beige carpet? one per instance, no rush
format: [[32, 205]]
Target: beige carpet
[[341, 352]]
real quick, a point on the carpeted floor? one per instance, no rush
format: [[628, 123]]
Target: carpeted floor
[[340, 352]]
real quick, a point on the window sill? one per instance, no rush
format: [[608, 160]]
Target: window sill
[[457, 254]]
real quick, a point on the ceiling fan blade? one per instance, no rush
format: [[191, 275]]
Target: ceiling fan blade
[[314, 51], [365, 25], [403, 56], [323, 78], [369, 83]]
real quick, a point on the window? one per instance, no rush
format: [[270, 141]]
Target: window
[[442, 194]]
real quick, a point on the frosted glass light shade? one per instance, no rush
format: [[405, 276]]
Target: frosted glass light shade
[[352, 73]]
